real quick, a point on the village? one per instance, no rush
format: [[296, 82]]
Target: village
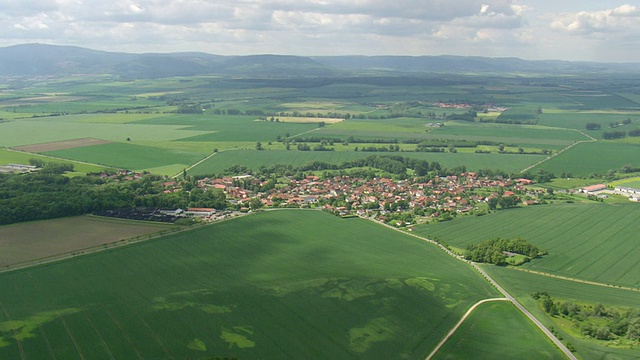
[[401, 203]]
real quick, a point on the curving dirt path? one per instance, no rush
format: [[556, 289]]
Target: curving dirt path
[[455, 328]]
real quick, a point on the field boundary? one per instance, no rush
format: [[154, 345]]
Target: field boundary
[[462, 320]]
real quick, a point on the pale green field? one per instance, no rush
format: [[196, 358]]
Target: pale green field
[[18, 157], [43, 130]]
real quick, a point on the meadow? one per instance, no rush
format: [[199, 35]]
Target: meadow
[[594, 242], [270, 285]]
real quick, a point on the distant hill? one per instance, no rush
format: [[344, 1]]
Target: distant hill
[[54, 60]]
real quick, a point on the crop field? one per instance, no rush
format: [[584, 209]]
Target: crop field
[[253, 159], [594, 158], [579, 119], [596, 242], [230, 128], [129, 156], [26, 242], [270, 285], [522, 134], [482, 336], [60, 145]]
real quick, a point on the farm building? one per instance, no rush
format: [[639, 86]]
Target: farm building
[[632, 193], [593, 188]]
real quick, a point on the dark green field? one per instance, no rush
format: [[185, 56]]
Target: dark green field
[[272, 285], [595, 242]]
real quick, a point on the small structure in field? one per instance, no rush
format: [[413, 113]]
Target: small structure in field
[[593, 189]]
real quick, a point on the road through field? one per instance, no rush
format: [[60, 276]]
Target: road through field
[[507, 296]]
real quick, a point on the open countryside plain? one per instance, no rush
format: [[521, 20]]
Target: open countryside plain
[[243, 288], [305, 284], [146, 123]]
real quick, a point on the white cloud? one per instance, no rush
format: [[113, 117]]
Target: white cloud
[[621, 19], [312, 27]]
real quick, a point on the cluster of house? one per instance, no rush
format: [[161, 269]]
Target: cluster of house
[[344, 194]]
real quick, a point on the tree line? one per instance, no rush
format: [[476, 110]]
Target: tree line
[[40, 196], [594, 321]]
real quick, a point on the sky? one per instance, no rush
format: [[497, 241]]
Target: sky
[[577, 30]]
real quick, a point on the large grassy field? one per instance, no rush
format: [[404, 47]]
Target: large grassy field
[[596, 242], [482, 336], [272, 285], [25, 242]]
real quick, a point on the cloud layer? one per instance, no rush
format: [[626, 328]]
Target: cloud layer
[[319, 27]]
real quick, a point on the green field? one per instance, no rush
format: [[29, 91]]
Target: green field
[[589, 158], [230, 128], [43, 130], [129, 156], [595, 242], [271, 285], [524, 135], [482, 336]]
